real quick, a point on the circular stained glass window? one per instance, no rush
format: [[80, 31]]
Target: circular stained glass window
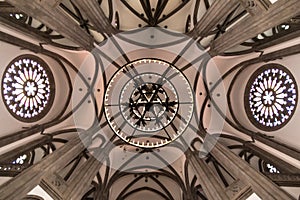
[[148, 103], [28, 88], [271, 97]]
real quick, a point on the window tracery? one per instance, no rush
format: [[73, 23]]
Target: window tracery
[[271, 97], [28, 88]]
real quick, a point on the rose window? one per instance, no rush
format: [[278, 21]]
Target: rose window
[[28, 88], [271, 97]]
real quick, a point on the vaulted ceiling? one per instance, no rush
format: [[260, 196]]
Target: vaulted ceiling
[[152, 99]]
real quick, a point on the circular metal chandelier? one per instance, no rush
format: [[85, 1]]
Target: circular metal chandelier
[[28, 88], [155, 100], [271, 97]]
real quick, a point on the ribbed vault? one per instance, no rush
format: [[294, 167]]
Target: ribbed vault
[[149, 99]]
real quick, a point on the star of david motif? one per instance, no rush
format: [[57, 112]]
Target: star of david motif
[[150, 102], [143, 105]]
